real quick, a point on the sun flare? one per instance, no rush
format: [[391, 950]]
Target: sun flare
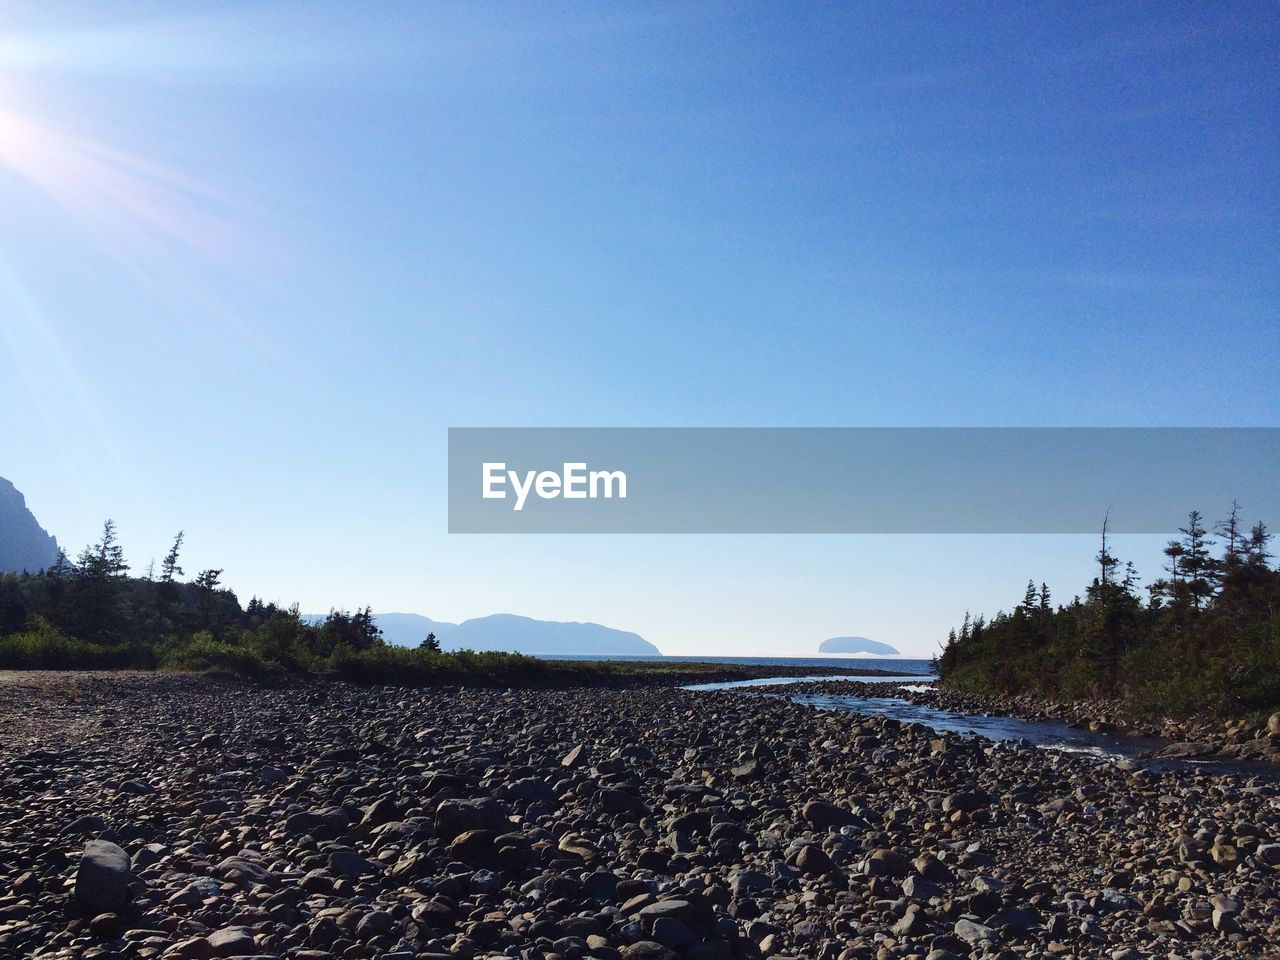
[[109, 191]]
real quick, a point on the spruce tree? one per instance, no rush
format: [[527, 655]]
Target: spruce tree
[[1199, 566], [170, 569], [1234, 538]]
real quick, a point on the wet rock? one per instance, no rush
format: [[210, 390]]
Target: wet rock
[[1187, 750]]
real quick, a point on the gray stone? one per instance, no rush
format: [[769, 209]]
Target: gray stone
[[327, 823], [646, 950], [827, 816], [975, 933], [102, 880], [232, 941], [672, 932], [348, 863]]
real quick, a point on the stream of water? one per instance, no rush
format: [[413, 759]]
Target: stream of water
[[1043, 734]]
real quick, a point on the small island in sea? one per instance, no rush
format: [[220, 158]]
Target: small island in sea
[[858, 645]]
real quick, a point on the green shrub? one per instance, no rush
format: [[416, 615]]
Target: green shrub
[[383, 663], [43, 647], [202, 653]]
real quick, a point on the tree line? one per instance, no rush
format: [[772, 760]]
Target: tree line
[[93, 614], [1203, 638]]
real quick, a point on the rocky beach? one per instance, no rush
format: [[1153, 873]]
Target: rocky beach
[[148, 815]]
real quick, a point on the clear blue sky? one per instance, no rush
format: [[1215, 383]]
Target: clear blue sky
[[256, 258]]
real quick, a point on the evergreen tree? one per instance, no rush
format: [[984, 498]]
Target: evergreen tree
[[1175, 552], [61, 568], [105, 558], [358, 631], [1256, 551], [1131, 579], [207, 584], [56, 578], [209, 580], [1199, 567], [1234, 538], [169, 569], [365, 630], [97, 592]]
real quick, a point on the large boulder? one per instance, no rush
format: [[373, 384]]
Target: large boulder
[[102, 881]]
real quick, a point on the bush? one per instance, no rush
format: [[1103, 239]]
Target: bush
[[203, 653], [383, 663], [43, 647]]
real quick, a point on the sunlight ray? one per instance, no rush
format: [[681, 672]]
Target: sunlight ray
[[104, 187]]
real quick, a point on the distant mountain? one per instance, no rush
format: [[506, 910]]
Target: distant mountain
[[505, 631], [409, 629], [857, 645], [24, 545], [508, 632]]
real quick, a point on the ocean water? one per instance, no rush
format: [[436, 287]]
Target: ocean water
[[821, 665]]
